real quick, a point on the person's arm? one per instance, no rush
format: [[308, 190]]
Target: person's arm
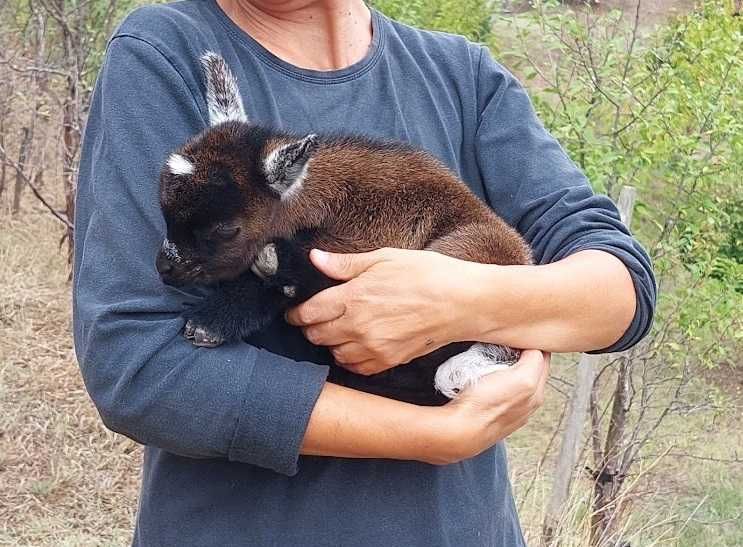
[[584, 302], [351, 424], [396, 305], [595, 289], [399, 304]]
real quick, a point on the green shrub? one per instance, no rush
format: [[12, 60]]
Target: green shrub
[[660, 113], [471, 18]]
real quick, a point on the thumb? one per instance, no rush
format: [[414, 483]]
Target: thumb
[[534, 365], [343, 266]]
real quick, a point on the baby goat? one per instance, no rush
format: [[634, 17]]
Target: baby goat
[[244, 204]]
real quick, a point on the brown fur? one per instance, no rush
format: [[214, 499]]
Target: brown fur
[[364, 199]]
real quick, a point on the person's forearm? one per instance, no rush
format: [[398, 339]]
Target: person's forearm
[[581, 303], [351, 424]]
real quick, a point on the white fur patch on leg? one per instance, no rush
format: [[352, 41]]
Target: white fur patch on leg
[[465, 369]]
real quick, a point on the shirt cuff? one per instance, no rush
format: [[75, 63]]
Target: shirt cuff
[[276, 411]]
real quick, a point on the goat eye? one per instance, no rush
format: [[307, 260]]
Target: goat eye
[[226, 232]]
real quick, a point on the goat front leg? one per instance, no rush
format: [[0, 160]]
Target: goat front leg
[[284, 265], [236, 310]]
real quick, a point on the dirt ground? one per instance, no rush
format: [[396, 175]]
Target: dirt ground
[[64, 479], [652, 12]]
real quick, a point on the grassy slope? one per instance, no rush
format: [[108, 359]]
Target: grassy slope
[[679, 500], [65, 480]]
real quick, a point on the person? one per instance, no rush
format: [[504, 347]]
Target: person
[[247, 444]]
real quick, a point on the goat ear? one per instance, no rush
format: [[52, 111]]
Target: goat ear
[[222, 96], [286, 166]]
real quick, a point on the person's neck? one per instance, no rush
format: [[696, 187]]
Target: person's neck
[[317, 35]]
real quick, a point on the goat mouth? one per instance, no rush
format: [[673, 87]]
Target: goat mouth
[[222, 274], [201, 275], [172, 281], [195, 276]]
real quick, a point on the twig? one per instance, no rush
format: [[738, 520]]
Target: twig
[[33, 69], [34, 189]]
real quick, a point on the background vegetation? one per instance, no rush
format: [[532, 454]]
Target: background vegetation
[[638, 96]]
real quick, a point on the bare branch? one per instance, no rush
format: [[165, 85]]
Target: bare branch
[[35, 190]]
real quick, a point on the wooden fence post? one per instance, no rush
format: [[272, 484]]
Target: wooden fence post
[[577, 411]]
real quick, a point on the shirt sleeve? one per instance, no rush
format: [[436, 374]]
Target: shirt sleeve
[[530, 181], [147, 382]]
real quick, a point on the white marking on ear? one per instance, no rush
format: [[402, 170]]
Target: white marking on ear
[[222, 95], [465, 369], [180, 165], [171, 251], [287, 189], [296, 186], [286, 166], [271, 163]]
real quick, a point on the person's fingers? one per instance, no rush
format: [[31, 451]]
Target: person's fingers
[[542, 385], [532, 367], [345, 266], [330, 333], [532, 359], [350, 352], [367, 368], [325, 306]]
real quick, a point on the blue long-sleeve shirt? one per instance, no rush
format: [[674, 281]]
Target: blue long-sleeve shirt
[[222, 427]]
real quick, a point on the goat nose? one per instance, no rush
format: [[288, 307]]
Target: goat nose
[[163, 265]]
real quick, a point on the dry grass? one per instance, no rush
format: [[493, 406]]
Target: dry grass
[[690, 498], [64, 479]]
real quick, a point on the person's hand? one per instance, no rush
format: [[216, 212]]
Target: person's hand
[[499, 404], [395, 305]]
